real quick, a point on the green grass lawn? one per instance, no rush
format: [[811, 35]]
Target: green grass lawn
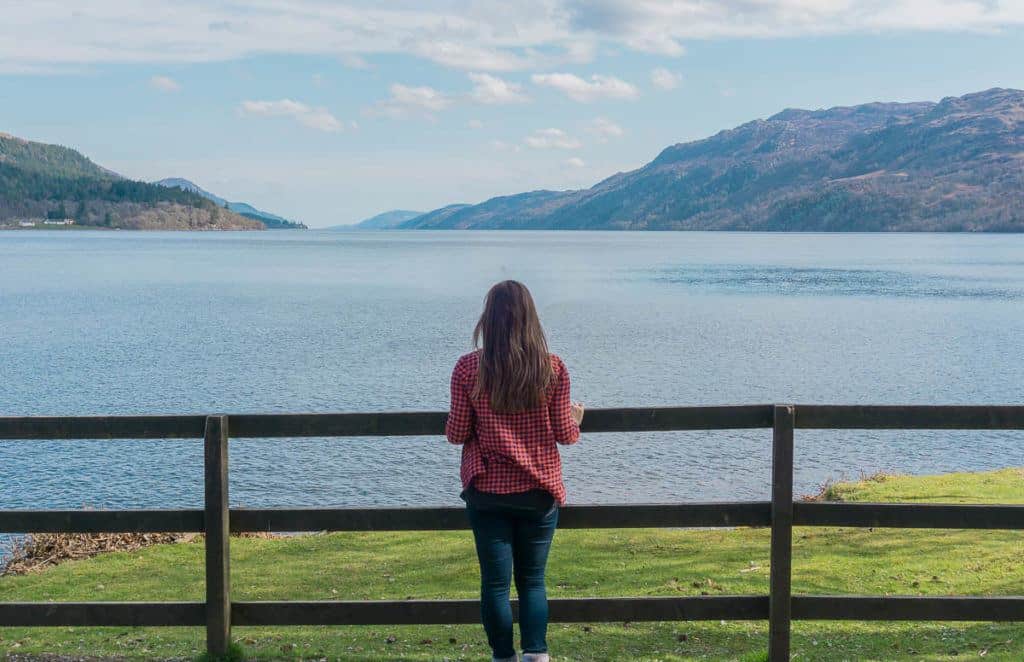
[[643, 562]]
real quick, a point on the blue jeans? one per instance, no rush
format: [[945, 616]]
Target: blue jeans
[[519, 540]]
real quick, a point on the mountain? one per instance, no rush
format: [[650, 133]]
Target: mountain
[[388, 220], [50, 181], [955, 165], [186, 185], [439, 218], [271, 221]]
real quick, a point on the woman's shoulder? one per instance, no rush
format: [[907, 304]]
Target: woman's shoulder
[[557, 365], [467, 363]]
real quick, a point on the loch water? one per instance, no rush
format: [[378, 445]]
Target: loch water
[[153, 323]]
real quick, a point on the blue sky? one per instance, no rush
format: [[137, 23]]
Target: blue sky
[[329, 112]]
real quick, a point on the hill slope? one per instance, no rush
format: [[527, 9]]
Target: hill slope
[[271, 221], [39, 181], [387, 220], [956, 165]]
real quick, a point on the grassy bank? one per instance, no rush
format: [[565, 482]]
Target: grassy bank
[[583, 563]]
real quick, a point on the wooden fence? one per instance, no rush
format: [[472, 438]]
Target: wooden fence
[[218, 613]]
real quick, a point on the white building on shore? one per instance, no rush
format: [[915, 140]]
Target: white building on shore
[[36, 222]]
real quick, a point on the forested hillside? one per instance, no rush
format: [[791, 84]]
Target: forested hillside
[[50, 181], [271, 221]]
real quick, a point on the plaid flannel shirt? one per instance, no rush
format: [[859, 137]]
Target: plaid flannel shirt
[[505, 453]]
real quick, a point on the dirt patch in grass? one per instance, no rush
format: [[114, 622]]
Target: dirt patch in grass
[[830, 490], [40, 551]]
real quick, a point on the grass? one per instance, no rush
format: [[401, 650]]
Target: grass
[[641, 562]]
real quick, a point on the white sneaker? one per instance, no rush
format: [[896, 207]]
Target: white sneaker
[[536, 657]]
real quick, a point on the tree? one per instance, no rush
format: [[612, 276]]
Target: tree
[[108, 220], [60, 213]]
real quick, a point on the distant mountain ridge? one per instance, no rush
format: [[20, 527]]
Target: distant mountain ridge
[[42, 181], [271, 221], [955, 165], [387, 220]]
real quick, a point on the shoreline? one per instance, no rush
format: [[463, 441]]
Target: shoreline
[[517, 230], [93, 228]]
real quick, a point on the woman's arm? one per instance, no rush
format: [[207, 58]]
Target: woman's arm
[[563, 423], [459, 427]]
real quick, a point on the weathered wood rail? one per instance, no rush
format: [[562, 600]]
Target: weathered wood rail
[[219, 613]]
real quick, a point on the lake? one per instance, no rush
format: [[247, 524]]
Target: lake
[[121, 322]]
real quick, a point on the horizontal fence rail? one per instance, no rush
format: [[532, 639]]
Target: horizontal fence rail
[[399, 424], [293, 520], [381, 424], [910, 417], [907, 608], [218, 613], [564, 610], [909, 515], [97, 614], [639, 516], [438, 612], [101, 521], [690, 515]]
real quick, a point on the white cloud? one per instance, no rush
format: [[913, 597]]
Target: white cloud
[[502, 146], [578, 89], [575, 162], [552, 139], [354, 61], [664, 79], [491, 90], [659, 44], [475, 124], [423, 97], [658, 27], [406, 100], [164, 84], [476, 36], [313, 117], [604, 128], [460, 55], [580, 50]]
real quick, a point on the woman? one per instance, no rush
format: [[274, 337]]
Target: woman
[[510, 409]]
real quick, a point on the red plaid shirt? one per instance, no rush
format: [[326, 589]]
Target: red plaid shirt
[[504, 453]]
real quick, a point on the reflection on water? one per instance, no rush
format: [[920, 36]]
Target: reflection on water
[[738, 278]]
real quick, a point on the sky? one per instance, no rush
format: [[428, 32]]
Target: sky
[[330, 112]]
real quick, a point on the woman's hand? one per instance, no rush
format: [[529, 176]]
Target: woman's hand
[[576, 409]]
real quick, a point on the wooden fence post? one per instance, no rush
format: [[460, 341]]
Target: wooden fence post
[[216, 526], [780, 590]]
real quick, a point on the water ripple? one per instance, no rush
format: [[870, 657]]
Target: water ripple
[[817, 281]]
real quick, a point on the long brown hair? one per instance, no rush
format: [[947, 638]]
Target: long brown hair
[[515, 368]]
